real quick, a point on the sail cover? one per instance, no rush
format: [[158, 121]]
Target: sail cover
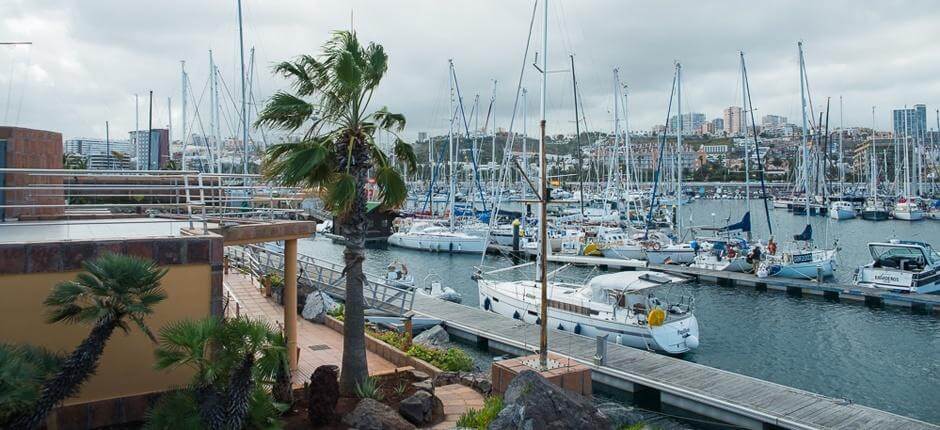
[[743, 225], [806, 235]]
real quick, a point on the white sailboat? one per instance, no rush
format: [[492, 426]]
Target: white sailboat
[[907, 207], [841, 209]]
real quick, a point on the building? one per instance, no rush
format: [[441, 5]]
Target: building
[[422, 136], [24, 148], [152, 149], [734, 121], [719, 125], [691, 124], [911, 122], [102, 154], [772, 121], [715, 149]]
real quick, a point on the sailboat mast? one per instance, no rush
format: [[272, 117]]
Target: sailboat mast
[[241, 52], [873, 192], [805, 131], [450, 145], [577, 134], [525, 138], [679, 150], [543, 200], [184, 96], [747, 158], [841, 134]]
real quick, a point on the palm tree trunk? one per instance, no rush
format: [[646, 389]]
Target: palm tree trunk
[[355, 368], [76, 369], [239, 392]]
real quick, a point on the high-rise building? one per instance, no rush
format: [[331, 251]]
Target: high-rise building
[[911, 122], [153, 149], [101, 153], [734, 120], [773, 120], [422, 136], [718, 125], [691, 123]]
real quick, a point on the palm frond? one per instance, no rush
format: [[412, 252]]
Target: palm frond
[[341, 194], [392, 187], [285, 111], [385, 120], [405, 153], [308, 163]]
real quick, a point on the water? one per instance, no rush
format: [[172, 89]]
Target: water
[[883, 358]]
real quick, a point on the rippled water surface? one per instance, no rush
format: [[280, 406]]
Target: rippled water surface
[[885, 358]]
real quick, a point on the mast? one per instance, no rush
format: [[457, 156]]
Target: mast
[[450, 145], [169, 126], [577, 133], [805, 131], [679, 151], [873, 175], [107, 142], [543, 200], [149, 133], [628, 161], [760, 164], [214, 112], [841, 134], [183, 95], [613, 160], [137, 128], [747, 158], [525, 136], [241, 52]]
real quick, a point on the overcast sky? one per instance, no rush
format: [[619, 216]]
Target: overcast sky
[[89, 57]]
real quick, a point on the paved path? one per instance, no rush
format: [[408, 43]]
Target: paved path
[[327, 345], [456, 399]]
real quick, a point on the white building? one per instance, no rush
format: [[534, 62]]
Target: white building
[[101, 154]]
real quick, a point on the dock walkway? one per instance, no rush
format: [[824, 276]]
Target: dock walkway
[[718, 394]]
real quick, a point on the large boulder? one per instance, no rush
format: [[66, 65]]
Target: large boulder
[[624, 416], [317, 305], [373, 415], [434, 336], [322, 395], [531, 402], [418, 408]]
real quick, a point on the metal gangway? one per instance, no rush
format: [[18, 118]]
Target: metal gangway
[[324, 275]]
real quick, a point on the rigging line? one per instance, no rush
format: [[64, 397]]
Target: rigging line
[[6, 112], [196, 115], [659, 158], [19, 106], [760, 163], [507, 146]]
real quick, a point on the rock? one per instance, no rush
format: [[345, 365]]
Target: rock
[[424, 386], [322, 395], [434, 336], [620, 415], [418, 408], [373, 415], [316, 306], [534, 403], [418, 375], [484, 386], [447, 378]]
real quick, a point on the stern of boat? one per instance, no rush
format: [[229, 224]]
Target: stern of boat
[[677, 336]]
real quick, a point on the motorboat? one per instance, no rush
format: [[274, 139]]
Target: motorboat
[[434, 287], [620, 305], [901, 265], [841, 209], [396, 275], [429, 237]]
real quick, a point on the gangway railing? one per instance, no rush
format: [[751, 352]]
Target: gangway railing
[[327, 276]]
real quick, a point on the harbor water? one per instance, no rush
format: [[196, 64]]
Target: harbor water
[[885, 358]]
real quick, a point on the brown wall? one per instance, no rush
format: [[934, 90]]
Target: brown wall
[[35, 149]]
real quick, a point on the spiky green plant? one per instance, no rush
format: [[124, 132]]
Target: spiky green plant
[[329, 102], [112, 292], [23, 369], [233, 359], [369, 388], [481, 419]]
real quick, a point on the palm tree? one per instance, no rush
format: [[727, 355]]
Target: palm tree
[[235, 361], [113, 291], [74, 162], [337, 152], [23, 369]]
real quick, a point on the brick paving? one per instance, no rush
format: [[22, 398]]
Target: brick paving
[[246, 299], [457, 399]]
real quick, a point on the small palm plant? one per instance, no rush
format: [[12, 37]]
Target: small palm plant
[[113, 292], [235, 360], [23, 369], [337, 151]]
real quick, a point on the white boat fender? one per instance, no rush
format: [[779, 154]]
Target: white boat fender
[[691, 341]]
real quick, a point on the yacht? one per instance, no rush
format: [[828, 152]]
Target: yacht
[[429, 237], [841, 209], [620, 305], [800, 262], [907, 210], [902, 266], [726, 255], [874, 210]]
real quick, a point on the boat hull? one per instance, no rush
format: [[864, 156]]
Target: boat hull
[[909, 215], [438, 243], [875, 215], [670, 254], [840, 214]]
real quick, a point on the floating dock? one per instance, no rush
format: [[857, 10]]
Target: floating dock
[[669, 384]]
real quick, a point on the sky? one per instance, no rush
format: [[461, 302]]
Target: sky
[[89, 58]]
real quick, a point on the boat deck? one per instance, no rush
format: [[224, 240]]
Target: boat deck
[[754, 403]]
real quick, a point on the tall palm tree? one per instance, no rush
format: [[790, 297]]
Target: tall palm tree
[[113, 291], [330, 104]]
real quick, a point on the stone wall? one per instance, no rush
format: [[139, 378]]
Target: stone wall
[[31, 149]]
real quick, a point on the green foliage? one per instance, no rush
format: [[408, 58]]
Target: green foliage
[[400, 389], [339, 312], [274, 280], [481, 419], [392, 338], [451, 359], [23, 369], [369, 388], [176, 409], [635, 426], [236, 362]]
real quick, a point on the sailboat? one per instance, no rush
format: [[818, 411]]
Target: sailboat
[[907, 207], [801, 260], [874, 208], [840, 208], [621, 305], [429, 236]]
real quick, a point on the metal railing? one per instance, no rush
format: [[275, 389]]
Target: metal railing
[[325, 275], [67, 194]]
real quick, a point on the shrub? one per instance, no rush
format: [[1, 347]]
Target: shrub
[[339, 312], [369, 389], [451, 360], [481, 419]]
